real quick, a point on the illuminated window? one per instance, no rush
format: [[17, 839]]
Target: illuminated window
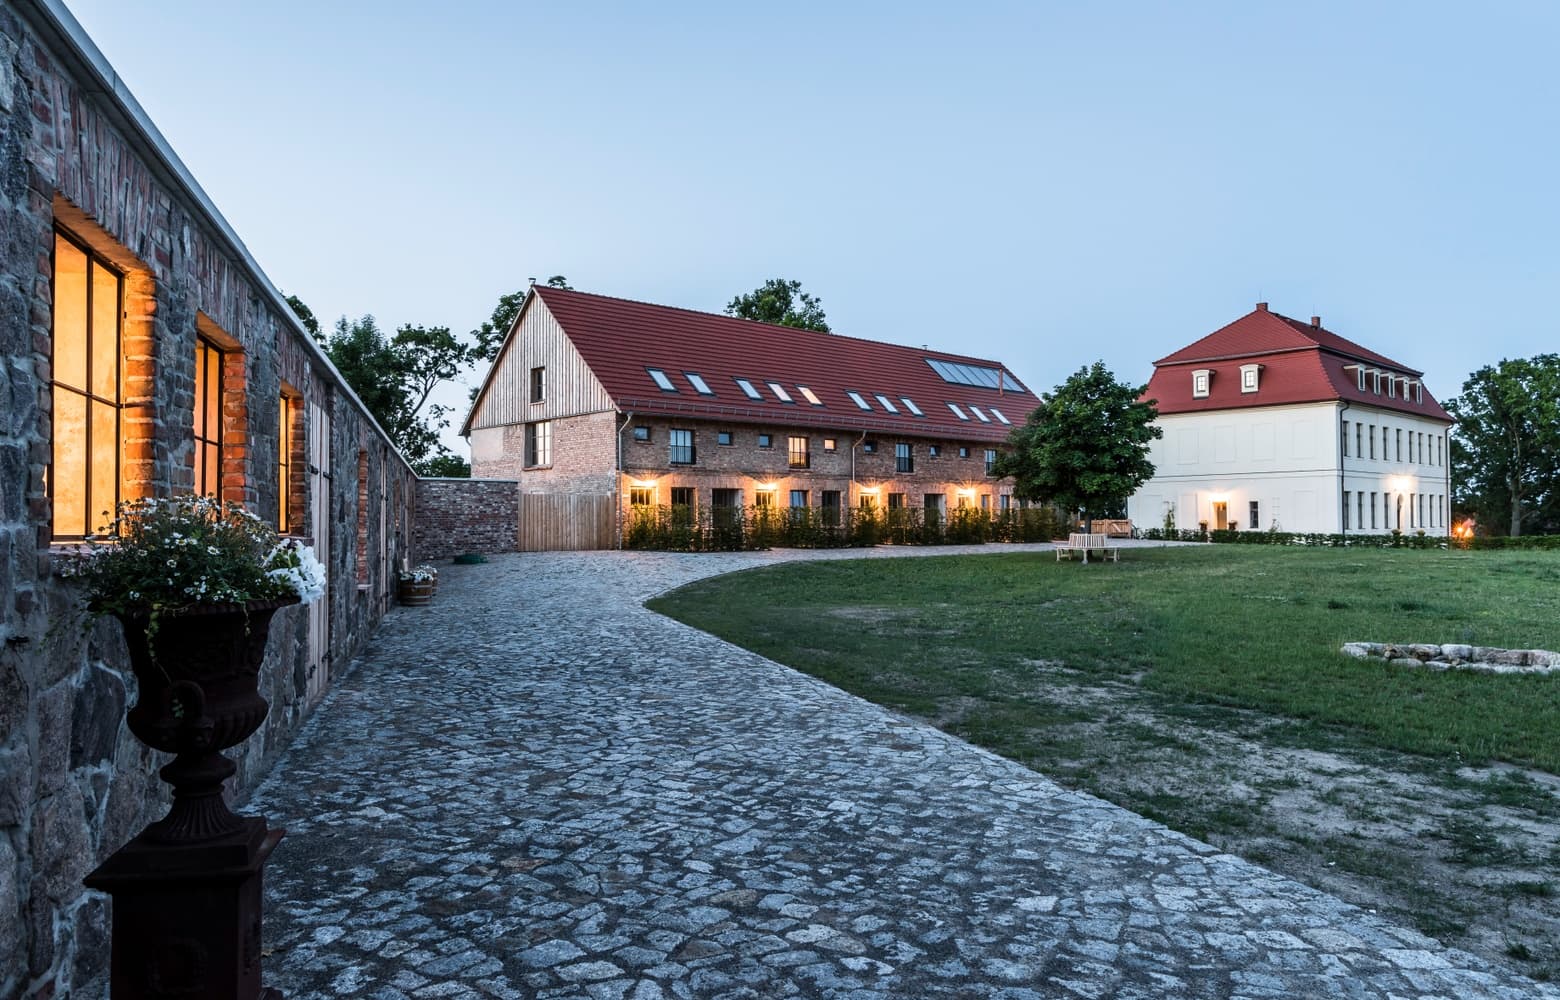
[[680, 443], [538, 443], [83, 477], [764, 499], [830, 444], [796, 446], [284, 465], [640, 496], [809, 395], [208, 418]]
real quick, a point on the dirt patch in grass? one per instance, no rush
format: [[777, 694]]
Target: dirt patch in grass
[[1470, 855]]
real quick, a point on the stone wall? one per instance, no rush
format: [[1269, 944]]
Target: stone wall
[[456, 516], [77, 154]]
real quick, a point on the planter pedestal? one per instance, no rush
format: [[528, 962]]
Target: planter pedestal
[[186, 917]]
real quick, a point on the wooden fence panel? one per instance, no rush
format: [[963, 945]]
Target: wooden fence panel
[[551, 523]]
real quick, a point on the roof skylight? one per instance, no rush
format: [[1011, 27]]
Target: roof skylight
[[958, 412], [979, 415], [748, 390], [661, 380], [984, 378], [780, 393], [809, 395], [888, 404], [910, 405], [998, 414], [699, 385], [855, 397]]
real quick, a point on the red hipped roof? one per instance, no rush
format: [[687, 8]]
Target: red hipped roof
[[1301, 363], [620, 338]]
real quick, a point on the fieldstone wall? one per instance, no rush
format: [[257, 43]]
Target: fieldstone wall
[[455, 516], [1484, 659], [74, 784]]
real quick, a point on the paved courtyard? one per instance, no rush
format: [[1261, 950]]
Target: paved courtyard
[[535, 787]]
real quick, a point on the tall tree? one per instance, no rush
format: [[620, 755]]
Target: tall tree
[[395, 378], [306, 317], [782, 303], [1085, 447], [1506, 445], [489, 337]]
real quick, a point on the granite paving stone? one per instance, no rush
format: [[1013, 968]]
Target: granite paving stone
[[535, 787]]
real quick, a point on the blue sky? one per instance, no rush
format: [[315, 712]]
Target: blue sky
[[1045, 184]]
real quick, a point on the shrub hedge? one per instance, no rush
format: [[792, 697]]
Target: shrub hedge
[[711, 529]]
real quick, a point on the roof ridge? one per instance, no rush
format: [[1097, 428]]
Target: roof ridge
[[778, 328]]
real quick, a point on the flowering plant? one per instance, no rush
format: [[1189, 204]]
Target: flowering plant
[[418, 574], [164, 556]]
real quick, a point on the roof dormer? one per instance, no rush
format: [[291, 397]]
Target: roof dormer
[[1250, 377], [1202, 378]]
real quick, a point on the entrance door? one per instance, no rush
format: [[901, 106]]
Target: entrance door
[[1221, 515], [318, 667]]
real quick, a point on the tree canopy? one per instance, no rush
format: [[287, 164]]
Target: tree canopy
[[782, 303], [489, 337], [1085, 447], [1506, 445], [395, 378]]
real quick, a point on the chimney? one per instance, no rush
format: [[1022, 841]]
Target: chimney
[[1316, 322], [1261, 307]]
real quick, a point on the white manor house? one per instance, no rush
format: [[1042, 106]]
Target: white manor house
[[1271, 423]]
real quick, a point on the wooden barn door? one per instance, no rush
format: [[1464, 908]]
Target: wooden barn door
[[319, 509]]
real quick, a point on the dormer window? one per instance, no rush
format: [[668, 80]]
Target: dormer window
[[1419, 392], [1392, 386], [1200, 381], [1375, 381], [1249, 375]]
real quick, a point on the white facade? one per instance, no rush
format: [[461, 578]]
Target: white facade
[[1293, 467]]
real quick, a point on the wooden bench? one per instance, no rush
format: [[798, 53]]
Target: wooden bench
[[1086, 543]]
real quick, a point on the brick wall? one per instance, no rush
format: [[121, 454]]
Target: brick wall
[[457, 516], [74, 784], [584, 455]]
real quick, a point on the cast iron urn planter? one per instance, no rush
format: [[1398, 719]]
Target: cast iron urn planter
[[187, 890]]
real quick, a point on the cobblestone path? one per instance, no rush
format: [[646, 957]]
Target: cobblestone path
[[535, 787]]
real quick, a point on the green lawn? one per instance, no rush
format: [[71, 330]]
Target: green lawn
[[974, 642]]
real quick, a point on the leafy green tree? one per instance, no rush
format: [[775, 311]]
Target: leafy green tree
[[1506, 445], [1085, 447], [782, 303], [489, 337], [395, 378], [306, 317]]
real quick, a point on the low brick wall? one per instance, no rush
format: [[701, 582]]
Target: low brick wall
[[455, 516]]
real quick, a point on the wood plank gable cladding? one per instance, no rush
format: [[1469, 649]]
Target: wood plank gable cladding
[[598, 396]]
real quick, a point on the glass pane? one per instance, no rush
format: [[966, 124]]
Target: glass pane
[[213, 397], [69, 472], [105, 465], [105, 333], [70, 319], [211, 484], [200, 390]]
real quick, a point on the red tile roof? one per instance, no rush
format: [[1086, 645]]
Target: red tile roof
[[1301, 363], [619, 339]]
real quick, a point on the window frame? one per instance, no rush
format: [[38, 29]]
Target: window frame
[[539, 384], [210, 363], [792, 451], [904, 456], [1202, 383], [686, 448], [86, 393], [538, 444]]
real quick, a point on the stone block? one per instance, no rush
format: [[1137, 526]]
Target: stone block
[[125, 813], [16, 783], [89, 938], [98, 713], [11, 925], [53, 721], [60, 848], [13, 691]]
